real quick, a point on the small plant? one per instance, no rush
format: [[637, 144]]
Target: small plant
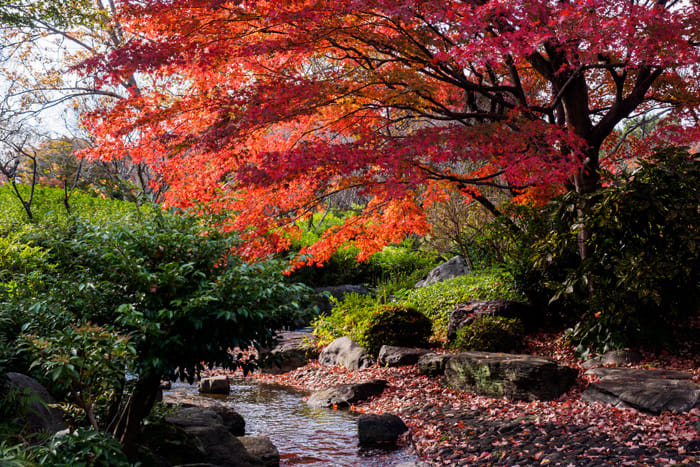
[[84, 447], [347, 318], [395, 325], [491, 334]]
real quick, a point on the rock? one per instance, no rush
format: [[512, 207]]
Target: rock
[[345, 352], [166, 385], [433, 364], [338, 292], [399, 356], [39, 417], [215, 414], [293, 350], [170, 444], [614, 357], [520, 377], [261, 447], [220, 446], [214, 385], [651, 391], [343, 395], [456, 266], [465, 314], [375, 429]]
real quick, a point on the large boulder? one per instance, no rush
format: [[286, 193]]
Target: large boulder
[[215, 414], [170, 445], [390, 355], [520, 377], [214, 385], [293, 350], [338, 292], [465, 314], [39, 416], [432, 364], [651, 391], [345, 352], [456, 266], [382, 429], [221, 448], [261, 447], [343, 395]]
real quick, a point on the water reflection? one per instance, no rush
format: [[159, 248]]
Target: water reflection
[[303, 435]]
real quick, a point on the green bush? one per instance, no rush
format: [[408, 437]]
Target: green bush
[[86, 448], [640, 282], [395, 325], [491, 334], [347, 318], [436, 301]]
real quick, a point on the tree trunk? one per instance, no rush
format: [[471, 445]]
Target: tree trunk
[[137, 408], [586, 181]]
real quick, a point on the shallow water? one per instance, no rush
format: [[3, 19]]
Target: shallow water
[[302, 434]]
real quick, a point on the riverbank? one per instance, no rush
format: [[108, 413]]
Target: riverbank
[[449, 427]]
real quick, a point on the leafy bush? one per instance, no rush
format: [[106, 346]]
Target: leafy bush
[[490, 334], [395, 325], [347, 318], [436, 301], [641, 279], [84, 447]]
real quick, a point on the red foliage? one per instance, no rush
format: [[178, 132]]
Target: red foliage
[[265, 108]]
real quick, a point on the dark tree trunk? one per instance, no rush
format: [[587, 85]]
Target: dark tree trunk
[[137, 408]]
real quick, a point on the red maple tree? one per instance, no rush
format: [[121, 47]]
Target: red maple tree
[[265, 108]]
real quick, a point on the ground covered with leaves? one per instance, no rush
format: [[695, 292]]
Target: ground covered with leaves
[[449, 427]]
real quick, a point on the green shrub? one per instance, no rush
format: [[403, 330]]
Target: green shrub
[[347, 318], [490, 334], [644, 261], [436, 301], [395, 325], [84, 447]]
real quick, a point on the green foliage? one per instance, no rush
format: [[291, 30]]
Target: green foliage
[[90, 361], [490, 334], [84, 448], [396, 325], [17, 455], [641, 279], [347, 318], [394, 262], [436, 301]]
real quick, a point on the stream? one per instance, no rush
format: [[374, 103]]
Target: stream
[[303, 435]]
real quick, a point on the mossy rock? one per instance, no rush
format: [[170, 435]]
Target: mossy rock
[[398, 326]]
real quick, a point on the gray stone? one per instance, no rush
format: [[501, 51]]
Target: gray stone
[[650, 391], [465, 314], [343, 395], [383, 429], [261, 447], [214, 437], [520, 377], [39, 416], [390, 355], [214, 385], [614, 357], [294, 349], [456, 266], [338, 292], [345, 352], [433, 364], [215, 414]]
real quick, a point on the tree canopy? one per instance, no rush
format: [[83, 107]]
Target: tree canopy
[[266, 108]]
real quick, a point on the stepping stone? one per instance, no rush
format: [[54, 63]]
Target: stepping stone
[[514, 376], [214, 385], [384, 429], [614, 357], [650, 391], [343, 395], [390, 355]]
